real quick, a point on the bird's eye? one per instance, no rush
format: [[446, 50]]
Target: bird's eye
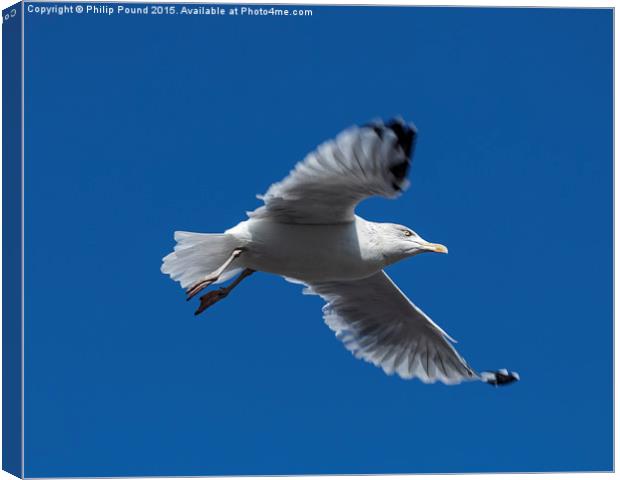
[[408, 233]]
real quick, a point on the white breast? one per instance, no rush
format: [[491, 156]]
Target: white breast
[[309, 252]]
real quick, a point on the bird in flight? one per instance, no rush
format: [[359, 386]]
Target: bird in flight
[[307, 232]]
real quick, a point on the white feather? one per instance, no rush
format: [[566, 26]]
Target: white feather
[[198, 254]]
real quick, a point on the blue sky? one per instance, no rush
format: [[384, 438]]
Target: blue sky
[[137, 126]]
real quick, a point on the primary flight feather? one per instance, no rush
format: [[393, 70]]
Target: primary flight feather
[[307, 232]]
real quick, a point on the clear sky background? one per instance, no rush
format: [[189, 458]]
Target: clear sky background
[[137, 126]]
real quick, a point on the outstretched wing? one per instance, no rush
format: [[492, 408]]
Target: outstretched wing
[[379, 324], [326, 186]]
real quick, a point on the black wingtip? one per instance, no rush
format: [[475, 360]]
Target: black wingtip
[[500, 377], [406, 134]]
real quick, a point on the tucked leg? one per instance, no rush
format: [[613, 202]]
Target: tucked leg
[[213, 276], [216, 295]]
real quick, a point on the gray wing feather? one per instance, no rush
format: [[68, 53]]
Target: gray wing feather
[[379, 324], [327, 185]]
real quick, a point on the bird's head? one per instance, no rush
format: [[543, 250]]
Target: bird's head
[[398, 242]]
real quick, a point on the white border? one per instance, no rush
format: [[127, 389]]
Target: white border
[[476, 3], [23, 467]]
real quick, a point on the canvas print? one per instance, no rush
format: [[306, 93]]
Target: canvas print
[[245, 239]]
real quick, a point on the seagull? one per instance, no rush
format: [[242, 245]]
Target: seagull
[[307, 232]]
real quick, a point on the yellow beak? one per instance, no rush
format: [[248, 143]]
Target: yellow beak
[[436, 247]]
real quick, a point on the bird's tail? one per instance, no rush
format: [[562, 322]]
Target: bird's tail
[[198, 254]]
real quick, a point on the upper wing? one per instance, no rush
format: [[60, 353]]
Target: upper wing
[[327, 185], [379, 324]]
